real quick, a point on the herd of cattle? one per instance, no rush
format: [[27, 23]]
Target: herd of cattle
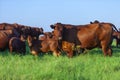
[[64, 37]]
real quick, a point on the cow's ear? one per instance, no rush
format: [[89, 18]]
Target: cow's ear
[[41, 29], [91, 22], [52, 26]]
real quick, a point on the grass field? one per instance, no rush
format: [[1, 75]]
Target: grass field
[[90, 66]]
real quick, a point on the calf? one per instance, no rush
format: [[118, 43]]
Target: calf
[[17, 45], [47, 44]]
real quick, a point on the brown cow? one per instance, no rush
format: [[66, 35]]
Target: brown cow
[[45, 45], [86, 36], [17, 45]]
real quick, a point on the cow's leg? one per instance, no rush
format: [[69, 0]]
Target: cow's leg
[[56, 53], [109, 51], [11, 49], [70, 54], [106, 49], [34, 53]]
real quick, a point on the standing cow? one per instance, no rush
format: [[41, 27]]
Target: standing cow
[[86, 36]]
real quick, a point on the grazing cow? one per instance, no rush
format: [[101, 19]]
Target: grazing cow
[[86, 36], [116, 36], [17, 45], [45, 45]]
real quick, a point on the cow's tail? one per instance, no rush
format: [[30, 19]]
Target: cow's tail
[[114, 27]]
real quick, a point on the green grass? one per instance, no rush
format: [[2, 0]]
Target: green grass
[[90, 66]]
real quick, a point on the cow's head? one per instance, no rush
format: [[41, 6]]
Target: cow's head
[[32, 43], [58, 30], [35, 32], [116, 35], [25, 31]]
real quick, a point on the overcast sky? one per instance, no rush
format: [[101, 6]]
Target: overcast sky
[[43, 13]]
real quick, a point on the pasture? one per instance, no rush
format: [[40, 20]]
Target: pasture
[[90, 66]]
